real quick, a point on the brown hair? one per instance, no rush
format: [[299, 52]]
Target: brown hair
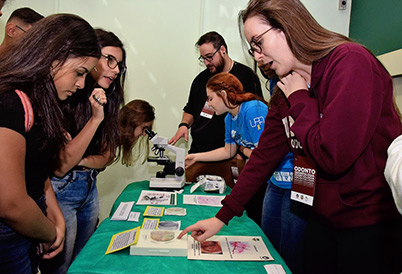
[[307, 39], [79, 111], [28, 67], [131, 116], [233, 88]]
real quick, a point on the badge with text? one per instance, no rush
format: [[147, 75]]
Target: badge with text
[[207, 111], [304, 180]]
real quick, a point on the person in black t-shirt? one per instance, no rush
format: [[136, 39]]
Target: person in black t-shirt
[[46, 68], [208, 129]]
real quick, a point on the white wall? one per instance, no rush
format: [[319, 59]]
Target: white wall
[[159, 37]]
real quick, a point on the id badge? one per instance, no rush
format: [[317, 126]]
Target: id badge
[[304, 180], [207, 111]]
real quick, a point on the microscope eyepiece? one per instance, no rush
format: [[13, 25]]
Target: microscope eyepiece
[[149, 132]]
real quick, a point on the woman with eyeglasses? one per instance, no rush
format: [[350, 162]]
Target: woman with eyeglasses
[[336, 113], [93, 136], [46, 68]]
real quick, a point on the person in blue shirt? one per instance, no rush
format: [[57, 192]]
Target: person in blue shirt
[[282, 221], [243, 126], [243, 123]]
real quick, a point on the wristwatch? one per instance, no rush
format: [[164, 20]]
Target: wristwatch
[[184, 124]]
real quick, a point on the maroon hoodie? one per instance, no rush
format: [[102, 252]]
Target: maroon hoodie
[[344, 123]]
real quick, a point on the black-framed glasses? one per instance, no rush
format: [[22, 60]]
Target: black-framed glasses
[[209, 57], [20, 28], [113, 63], [255, 44]]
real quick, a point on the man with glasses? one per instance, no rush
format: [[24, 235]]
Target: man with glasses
[[208, 129], [17, 25]]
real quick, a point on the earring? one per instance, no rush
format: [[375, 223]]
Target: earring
[[95, 69]]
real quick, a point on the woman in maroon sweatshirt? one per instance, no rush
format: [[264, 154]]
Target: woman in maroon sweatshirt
[[335, 110]]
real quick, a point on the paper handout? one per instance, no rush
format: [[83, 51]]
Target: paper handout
[[206, 200], [148, 197], [122, 240], [229, 248]]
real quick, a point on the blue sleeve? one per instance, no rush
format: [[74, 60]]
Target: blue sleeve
[[228, 129], [255, 121]]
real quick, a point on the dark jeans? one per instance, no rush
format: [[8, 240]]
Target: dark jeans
[[18, 254], [284, 223], [373, 249]]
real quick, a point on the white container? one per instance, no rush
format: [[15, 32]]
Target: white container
[[160, 243]]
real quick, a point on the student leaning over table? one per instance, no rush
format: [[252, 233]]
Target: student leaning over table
[[93, 136], [208, 130], [49, 65], [136, 116], [340, 100], [244, 121], [283, 221]]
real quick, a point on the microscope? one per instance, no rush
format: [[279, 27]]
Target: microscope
[[172, 176]]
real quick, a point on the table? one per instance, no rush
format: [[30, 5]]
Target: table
[[92, 258]]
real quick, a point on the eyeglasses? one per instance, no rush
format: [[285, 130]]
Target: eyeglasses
[[208, 58], [255, 44], [113, 63], [20, 28]]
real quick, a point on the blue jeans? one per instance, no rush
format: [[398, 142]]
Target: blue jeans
[[18, 253], [284, 223], [78, 200]]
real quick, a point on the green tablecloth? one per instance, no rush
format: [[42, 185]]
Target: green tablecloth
[[92, 258]]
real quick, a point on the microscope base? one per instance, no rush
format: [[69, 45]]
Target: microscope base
[[166, 183]]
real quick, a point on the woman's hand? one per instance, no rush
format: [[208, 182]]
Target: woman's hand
[[55, 216], [204, 229], [190, 160], [291, 83], [98, 100], [57, 246]]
